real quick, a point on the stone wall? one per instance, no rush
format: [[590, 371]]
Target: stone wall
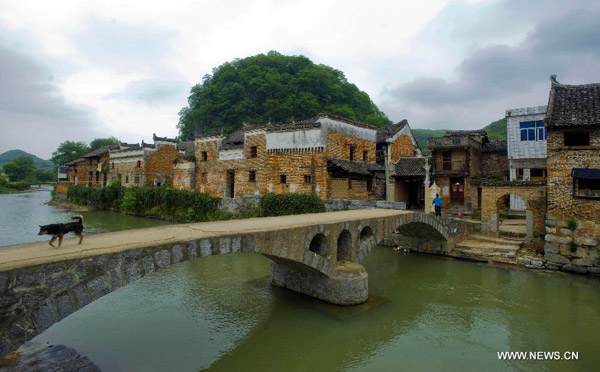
[[184, 175], [534, 194], [494, 165], [129, 170], [402, 146], [159, 164], [338, 147], [562, 205]]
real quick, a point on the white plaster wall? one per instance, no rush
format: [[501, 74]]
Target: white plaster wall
[[295, 139], [231, 154], [518, 149], [367, 134]]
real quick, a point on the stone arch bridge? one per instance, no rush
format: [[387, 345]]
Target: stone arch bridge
[[316, 254]]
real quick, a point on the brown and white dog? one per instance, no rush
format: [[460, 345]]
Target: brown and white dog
[[58, 230]]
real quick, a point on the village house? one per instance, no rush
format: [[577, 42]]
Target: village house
[[332, 156], [526, 137], [91, 169]]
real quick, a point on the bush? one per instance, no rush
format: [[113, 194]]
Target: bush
[[476, 214], [572, 225], [293, 203]]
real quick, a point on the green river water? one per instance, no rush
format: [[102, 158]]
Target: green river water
[[427, 313]]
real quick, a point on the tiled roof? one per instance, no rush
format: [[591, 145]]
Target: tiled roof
[[233, 140], [573, 105], [164, 139], [73, 162], [410, 167], [102, 150], [494, 146], [388, 131], [460, 133], [360, 168], [185, 146]]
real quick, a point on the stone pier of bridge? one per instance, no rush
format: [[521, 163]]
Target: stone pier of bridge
[[318, 255]]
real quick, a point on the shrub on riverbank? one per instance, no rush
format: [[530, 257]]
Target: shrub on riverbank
[[7, 187], [162, 202], [293, 203]]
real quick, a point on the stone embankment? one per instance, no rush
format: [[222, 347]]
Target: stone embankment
[[35, 356]]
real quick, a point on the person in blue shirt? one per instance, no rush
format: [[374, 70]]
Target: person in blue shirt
[[437, 202]]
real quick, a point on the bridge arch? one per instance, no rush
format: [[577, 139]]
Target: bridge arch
[[344, 246], [319, 245]]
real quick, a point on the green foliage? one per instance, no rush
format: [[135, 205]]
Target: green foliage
[[19, 169], [69, 151], [7, 187], [161, 202], [496, 130], [293, 203], [272, 87], [421, 136], [572, 224], [101, 142], [476, 214], [7, 156]]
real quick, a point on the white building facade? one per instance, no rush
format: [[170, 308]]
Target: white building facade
[[526, 146]]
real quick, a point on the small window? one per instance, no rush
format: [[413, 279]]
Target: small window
[[349, 183], [252, 176], [136, 180], [537, 173], [352, 150], [113, 165], [586, 188], [282, 179], [519, 173], [577, 138], [126, 179], [204, 177], [532, 130], [253, 152], [204, 156], [365, 155], [139, 163], [307, 179]]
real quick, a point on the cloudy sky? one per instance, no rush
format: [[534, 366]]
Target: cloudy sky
[[80, 70]]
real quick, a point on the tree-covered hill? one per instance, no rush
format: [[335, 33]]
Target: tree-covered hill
[[7, 156], [496, 130], [272, 87]]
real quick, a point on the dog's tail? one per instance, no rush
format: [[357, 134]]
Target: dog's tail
[[80, 218]]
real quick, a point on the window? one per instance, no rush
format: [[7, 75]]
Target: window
[[136, 180], [307, 179], [577, 138], [139, 163], [537, 173], [532, 130], [369, 184], [252, 176], [519, 173], [253, 152], [282, 179], [204, 156], [352, 150], [349, 183], [126, 179], [365, 155], [90, 161], [587, 188], [204, 177], [113, 165]]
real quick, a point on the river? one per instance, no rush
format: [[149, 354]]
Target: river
[[427, 313], [21, 213]]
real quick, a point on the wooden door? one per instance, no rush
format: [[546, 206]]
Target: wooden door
[[457, 191]]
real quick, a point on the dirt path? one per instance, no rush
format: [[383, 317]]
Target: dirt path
[[22, 255]]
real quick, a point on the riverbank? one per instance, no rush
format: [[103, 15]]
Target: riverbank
[[37, 356], [70, 207]]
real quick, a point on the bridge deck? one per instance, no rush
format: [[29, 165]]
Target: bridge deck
[[24, 255]]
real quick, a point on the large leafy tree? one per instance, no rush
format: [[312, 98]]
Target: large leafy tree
[[69, 151], [19, 169], [272, 87], [100, 142]]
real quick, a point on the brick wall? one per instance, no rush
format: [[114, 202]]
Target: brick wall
[[128, 170], [494, 165], [402, 146], [338, 147], [562, 205], [159, 164]]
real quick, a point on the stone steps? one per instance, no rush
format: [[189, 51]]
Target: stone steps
[[488, 249]]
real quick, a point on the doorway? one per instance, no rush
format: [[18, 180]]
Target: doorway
[[457, 191], [230, 184]]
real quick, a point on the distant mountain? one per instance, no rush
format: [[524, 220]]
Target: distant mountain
[[12, 154], [496, 131]]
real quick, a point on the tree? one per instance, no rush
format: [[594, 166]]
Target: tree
[[272, 87], [19, 168], [69, 151], [101, 142]]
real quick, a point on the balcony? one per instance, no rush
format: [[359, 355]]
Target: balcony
[[452, 142], [450, 167]]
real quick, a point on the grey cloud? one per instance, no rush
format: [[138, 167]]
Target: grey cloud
[[34, 115], [555, 46], [151, 91]]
